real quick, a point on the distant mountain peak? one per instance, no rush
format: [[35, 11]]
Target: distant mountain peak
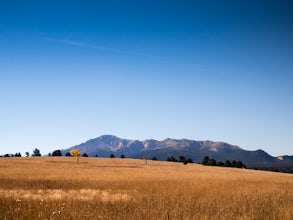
[[196, 150], [108, 137]]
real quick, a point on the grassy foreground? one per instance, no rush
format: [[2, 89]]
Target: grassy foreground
[[97, 188]]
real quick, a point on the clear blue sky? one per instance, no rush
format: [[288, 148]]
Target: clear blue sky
[[203, 70]]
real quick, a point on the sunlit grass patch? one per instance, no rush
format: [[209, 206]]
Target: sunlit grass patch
[[97, 188]]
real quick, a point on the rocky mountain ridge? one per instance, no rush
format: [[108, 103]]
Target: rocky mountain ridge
[[105, 145]]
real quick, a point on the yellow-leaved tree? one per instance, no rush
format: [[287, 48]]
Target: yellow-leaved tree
[[75, 153]]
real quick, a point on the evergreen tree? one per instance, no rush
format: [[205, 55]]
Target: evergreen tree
[[182, 159], [220, 164], [189, 160], [171, 159], [17, 154], [212, 162], [205, 160], [233, 164], [239, 164], [227, 163], [57, 153], [36, 153]]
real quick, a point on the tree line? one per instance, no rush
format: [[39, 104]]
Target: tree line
[[182, 159], [212, 162], [36, 153]]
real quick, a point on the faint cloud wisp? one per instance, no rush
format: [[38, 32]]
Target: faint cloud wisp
[[161, 59], [98, 47]]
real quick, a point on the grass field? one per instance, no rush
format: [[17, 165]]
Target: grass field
[[97, 188]]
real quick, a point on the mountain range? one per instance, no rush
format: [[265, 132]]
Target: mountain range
[[105, 145]]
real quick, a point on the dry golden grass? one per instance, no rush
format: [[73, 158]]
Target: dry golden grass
[[96, 188]]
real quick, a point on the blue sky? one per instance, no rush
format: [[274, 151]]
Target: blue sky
[[203, 70]]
